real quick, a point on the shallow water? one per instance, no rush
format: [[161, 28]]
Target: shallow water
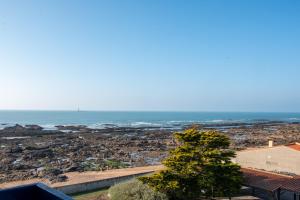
[[102, 119]]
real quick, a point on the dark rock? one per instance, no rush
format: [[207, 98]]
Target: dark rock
[[53, 172], [21, 167], [34, 127], [36, 148], [42, 153], [59, 178], [73, 168], [16, 150], [62, 178], [13, 129]]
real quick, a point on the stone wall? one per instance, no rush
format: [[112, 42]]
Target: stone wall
[[94, 185]]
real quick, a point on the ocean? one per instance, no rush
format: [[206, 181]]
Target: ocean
[[102, 119]]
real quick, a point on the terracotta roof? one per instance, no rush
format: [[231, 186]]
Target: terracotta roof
[[294, 146], [270, 181]]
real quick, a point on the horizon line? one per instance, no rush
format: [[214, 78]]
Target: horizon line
[[183, 111]]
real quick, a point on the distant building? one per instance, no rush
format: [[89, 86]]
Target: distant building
[[281, 159]]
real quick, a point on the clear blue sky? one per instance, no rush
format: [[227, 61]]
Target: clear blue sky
[[150, 55]]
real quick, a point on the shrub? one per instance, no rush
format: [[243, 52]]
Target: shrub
[[115, 164], [134, 190]]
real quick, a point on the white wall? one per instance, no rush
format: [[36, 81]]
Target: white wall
[[280, 158]]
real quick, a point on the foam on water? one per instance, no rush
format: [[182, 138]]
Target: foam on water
[[49, 119], [49, 127], [6, 125], [145, 124]]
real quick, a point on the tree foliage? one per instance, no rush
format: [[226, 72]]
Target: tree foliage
[[199, 167]]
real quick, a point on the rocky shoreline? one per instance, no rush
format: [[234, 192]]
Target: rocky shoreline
[[30, 151]]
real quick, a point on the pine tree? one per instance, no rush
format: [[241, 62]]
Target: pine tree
[[199, 167]]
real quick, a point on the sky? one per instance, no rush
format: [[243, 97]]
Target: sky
[[150, 55]]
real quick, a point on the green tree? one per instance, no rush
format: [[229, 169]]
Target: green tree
[[199, 167]]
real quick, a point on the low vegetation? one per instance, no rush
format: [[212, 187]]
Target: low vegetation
[[116, 164], [94, 195], [134, 190]]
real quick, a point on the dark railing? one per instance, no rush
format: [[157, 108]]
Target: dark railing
[[36, 191]]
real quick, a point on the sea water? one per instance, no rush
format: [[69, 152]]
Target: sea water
[[101, 119]]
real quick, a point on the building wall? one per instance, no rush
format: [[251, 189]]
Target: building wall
[[280, 158]]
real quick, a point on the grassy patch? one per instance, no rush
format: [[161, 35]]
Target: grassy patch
[[115, 164], [92, 195]]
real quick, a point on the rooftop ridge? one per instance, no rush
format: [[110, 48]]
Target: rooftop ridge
[[269, 172]]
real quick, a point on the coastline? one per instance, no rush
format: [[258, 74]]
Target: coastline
[[136, 119], [28, 152]]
